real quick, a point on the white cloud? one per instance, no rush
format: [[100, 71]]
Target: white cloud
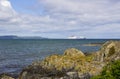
[[6, 10], [87, 15], [90, 18], [85, 10]]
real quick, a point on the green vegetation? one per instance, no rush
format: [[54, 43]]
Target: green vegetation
[[111, 51], [111, 71]]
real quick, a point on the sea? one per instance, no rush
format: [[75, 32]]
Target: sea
[[16, 54]]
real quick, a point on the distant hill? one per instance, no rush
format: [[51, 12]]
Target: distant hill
[[32, 37], [9, 37], [21, 37]]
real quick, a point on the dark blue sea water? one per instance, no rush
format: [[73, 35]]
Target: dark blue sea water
[[16, 54]]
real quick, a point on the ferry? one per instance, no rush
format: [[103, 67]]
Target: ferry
[[75, 37]]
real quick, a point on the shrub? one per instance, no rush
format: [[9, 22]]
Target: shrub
[[111, 71]]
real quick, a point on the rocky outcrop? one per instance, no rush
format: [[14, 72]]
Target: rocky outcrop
[[73, 64], [73, 52], [40, 72], [6, 76], [110, 51], [57, 66], [93, 44]]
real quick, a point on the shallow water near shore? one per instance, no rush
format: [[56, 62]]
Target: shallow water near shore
[[16, 54]]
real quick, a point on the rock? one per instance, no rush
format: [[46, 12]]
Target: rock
[[23, 75], [54, 66], [84, 76], [76, 75], [66, 61], [46, 78], [109, 51], [5, 76], [93, 44], [73, 75], [73, 64], [39, 72], [30, 76], [73, 52]]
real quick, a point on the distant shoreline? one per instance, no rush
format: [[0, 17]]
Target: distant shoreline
[[93, 44]]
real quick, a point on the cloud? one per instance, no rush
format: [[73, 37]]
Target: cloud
[[90, 18], [84, 10], [61, 18], [6, 10]]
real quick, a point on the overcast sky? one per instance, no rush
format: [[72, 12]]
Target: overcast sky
[[60, 18]]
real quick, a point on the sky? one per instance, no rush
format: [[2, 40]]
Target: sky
[[60, 18]]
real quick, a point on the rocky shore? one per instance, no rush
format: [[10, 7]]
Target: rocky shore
[[73, 64], [93, 44]]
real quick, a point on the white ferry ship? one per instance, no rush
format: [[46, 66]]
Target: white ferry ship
[[75, 37]]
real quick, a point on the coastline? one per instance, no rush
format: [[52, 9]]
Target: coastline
[[93, 44], [73, 64]]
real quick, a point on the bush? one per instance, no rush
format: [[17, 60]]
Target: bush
[[111, 71]]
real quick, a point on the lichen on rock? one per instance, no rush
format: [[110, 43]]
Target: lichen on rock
[[73, 64], [108, 52], [5, 76], [73, 52]]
